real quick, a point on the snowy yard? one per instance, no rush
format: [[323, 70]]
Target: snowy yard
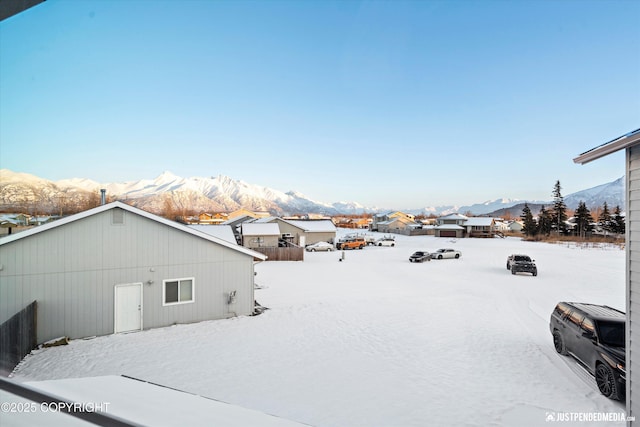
[[378, 341]]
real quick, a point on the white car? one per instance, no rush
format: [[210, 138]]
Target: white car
[[385, 241], [320, 246], [446, 253]]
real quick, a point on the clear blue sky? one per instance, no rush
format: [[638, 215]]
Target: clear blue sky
[[391, 104]]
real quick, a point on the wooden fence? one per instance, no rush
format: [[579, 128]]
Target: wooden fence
[[17, 338], [282, 254]]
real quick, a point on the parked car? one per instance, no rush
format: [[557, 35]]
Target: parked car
[[594, 335], [446, 253], [386, 241], [370, 239], [521, 263], [420, 256], [351, 243], [320, 246]]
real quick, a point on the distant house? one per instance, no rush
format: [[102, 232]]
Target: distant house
[[212, 218], [384, 218], [260, 235], [245, 212], [516, 226], [397, 224], [450, 226], [116, 268], [456, 225], [480, 227], [235, 224], [305, 232], [345, 222]]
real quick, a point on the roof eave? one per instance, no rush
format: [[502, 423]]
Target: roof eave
[[617, 144]]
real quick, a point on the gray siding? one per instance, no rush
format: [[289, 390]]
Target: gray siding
[[633, 280], [72, 271]]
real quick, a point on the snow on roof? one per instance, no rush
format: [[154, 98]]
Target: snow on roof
[[454, 216], [223, 232], [237, 219], [103, 208], [265, 219], [448, 227], [260, 229], [314, 226], [479, 221], [145, 403]]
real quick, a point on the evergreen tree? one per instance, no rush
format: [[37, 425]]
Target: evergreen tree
[[618, 221], [530, 227], [544, 222], [559, 211], [605, 219], [583, 220]]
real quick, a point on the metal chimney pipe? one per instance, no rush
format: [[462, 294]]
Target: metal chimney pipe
[[103, 196]]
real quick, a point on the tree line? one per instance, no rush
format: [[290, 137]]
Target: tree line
[[554, 218]]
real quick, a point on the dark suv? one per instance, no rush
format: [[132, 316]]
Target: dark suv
[[521, 263], [595, 336]]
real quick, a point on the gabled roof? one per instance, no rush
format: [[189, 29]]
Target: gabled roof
[[223, 232], [479, 221], [314, 226], [69, 219], [454, 216], [448, 227], [264, 220], [238, 220], [625, 141], [260, 229]]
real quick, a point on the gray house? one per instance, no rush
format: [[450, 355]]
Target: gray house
[[631, 144], [450, 226], [260, 235], [116, 268]]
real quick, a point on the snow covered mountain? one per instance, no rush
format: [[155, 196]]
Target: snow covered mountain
[[222, 193], [612, 193]]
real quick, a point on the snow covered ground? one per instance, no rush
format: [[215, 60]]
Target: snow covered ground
[[378, 341]]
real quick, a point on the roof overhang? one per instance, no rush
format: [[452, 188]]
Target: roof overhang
[[623, 142], [8, 8]]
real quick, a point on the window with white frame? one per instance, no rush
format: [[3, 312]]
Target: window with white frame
[[177, 291]]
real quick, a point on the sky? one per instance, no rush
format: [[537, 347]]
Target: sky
[[386, 103]]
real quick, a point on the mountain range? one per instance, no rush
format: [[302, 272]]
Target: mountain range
[[22, 191]]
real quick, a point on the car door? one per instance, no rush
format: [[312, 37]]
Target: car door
[[585, 344], [573, 332]]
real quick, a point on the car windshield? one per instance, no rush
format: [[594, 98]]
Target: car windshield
[[522, 258], [611, 333]]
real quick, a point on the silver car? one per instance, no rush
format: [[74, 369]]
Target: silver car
[[320, 246], [446, 253]]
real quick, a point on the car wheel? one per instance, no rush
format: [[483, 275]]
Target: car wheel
[[379, 244], [508, 266], [329, 250], [558, 343], [457, 256], [393, 244], [313, 249], [513, 271], [607, 382], [439, 256], [535, 273], [361, 247]]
